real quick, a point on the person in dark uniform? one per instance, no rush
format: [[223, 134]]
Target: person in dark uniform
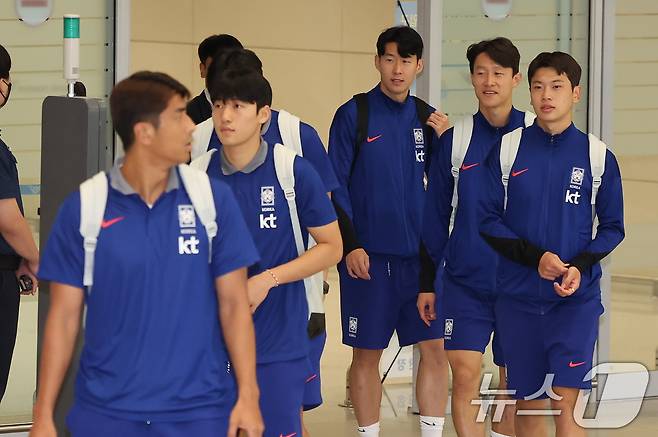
[[18, 253], [200, 108]]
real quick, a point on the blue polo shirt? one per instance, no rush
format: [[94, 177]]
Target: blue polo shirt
[[9, 188], [312, 148], [153, 348], [281, 320]]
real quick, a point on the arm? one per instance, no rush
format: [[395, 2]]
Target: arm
[[238, 329], [62, 326], [16, 231]]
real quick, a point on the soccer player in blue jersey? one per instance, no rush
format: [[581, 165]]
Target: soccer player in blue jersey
[[466, 286], [380, 162], [166, 311], [249, 165], [539, 215]]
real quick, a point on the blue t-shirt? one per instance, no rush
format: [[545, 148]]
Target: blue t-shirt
[[9, 188], [312, 148], [153, 348], [281, 320]]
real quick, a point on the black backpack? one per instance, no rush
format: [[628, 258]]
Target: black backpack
[[423, 111]]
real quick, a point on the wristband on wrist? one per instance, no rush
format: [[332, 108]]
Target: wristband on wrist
[[276, 280]]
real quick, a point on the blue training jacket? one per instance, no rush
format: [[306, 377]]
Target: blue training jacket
[[469, 260], [381, 190], [549, 210]]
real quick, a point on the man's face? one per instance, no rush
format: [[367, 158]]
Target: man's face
[[5, 90], [397, 73], [171, 141], [552, 96], [493, 83], [237, 122]]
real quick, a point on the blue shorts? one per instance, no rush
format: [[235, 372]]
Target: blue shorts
[[281, 387], [83, 422], [372, 310], [559, 342], [469, 319], [313, 386]]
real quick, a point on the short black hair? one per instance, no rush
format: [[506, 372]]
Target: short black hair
[[241, 84], [237, 59], [500, 50], [142, 97], [408, 40], [5, 63], [211, 45], [560, 62]]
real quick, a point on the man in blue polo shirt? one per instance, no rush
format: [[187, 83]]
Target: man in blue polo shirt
[[276, 289], [18, 253], [159, 317], [548, 183], [380, 203], [467, 285]]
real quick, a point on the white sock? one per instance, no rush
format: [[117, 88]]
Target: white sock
[[497, 434], [368, 431], [431, 426]]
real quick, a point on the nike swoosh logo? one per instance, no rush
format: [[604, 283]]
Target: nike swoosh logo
[[428, 423], [466, 167], [312, 377], [371, 139], [520, 172], [288, 435], [572, 364], [110, 222]]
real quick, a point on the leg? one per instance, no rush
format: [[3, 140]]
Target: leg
[[9, 304], [506, 424], [365, 385], [432, 382], [565, 425], [531, 425], [465, 367]]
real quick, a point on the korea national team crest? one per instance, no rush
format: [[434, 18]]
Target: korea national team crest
[[448, 327], [577, 175], [266, 196], [186, 217], [353, 325]]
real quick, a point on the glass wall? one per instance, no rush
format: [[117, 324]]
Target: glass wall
[[36, 72]]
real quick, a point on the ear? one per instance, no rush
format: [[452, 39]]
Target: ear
[[264, 114], [516, 79], [143, 132], [576, 94], [202, 70], [420, 66], [377, 63]]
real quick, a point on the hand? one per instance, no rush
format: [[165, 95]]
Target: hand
[[570, 283], [246, 417], [43, 428], [28, 269], [258, 287], [358, 264], [551, 266], [426, 307], [439, 122]]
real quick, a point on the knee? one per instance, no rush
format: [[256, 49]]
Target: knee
[[364, 359], [433, 354]]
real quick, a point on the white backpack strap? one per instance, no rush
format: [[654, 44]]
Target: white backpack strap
[[529, 118], [461, 139], [597, 152], [290, 133], [201, 137], [509, 147], [197, 185], [93, 198], [202, 162]]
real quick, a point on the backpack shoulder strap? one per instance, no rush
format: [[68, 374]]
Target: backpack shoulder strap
[[597, 152], [202, 162], [93, 198], [201, 137], [289, 127], [197, 185], [362, 114], [509, 147], [462, 132], [529, 118], [284, 161]]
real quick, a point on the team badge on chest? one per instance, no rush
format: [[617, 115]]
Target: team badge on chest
[[266, 196], [577, 175], [419, 138], [186, 217]]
